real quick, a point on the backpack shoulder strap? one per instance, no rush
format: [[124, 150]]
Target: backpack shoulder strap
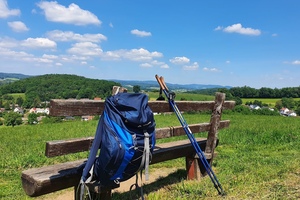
[[86, 174]]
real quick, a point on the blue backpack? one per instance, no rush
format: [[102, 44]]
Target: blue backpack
[[126, 138]]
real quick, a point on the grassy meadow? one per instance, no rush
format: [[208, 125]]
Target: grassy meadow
[[184, 96], [258, 158], [269, 101]]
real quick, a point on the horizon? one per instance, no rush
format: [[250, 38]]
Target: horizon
[[225, 86], [232, 43]]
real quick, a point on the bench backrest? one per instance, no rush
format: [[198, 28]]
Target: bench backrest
[[74, 107]]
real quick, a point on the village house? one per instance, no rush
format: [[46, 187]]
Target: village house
[[39, 110], [19, 110], [287, 112], [87, 118], [254, 107]]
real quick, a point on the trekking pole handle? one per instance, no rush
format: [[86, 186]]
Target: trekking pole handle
[[164, 83], [160, 81]]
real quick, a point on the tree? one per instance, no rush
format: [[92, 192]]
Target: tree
[[7, 105], [36, 102], [32, 118], [20, 101], [136, 88], [12, 119], [238, 101], [288, 103], [278, 104]]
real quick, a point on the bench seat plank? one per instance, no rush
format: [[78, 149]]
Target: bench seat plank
[[47, 179], [64, 147]]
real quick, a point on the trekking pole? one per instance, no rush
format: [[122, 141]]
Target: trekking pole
[[208, 169]]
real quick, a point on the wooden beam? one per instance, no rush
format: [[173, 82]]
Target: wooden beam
[[64, 147], [73, 107], [215, 123], [47, 179]]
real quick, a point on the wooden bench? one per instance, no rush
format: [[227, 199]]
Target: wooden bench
[[48, 179]]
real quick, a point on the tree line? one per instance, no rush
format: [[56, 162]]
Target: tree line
[[42, 88], [264, 92]]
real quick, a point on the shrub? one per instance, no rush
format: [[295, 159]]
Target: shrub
[[50, 120], [12, 119], [32, 118], [242, 109]]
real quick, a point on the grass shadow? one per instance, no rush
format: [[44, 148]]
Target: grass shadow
[[161, 182]]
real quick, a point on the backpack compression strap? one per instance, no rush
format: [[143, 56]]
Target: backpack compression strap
[[146, 156]]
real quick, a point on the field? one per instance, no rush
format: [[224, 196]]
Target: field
[[184, 96], [258, 158], [16, 95], [270, 102]]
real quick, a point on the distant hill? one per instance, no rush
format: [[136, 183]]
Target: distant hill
[[58, 86], [146, 85], [13, 75], [6, 78]]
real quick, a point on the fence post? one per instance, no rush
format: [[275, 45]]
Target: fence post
[[214, 122]]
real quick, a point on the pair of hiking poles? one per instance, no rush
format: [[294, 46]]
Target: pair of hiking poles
[[206, 165]]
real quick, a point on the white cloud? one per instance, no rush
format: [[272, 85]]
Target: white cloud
[[69, 15], [274, 35], [44, 60], [66, 36], [38, 43], [227, 61], [8, 42], [180, 60], [17, 26], [146, 65], [165, 66], [219, 28], [111, 25], [211, 69], [14, 55], [296, 62], [139, 55], [6, 12], [85, 49], [140, 33], [48, 56], [238, 28], [194, 66], [155, 62]]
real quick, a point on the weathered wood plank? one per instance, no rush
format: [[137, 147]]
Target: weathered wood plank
[[64, 147], [44, 180], [73, 107], [215, 121]]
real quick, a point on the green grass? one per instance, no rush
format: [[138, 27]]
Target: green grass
[[258, 158], [185, 96], [268, 101], [16, 95]]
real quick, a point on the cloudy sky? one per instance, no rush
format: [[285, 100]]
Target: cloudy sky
[[237, 43]]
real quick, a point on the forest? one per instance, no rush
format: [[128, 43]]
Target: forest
[[57, 86], [264, 92]]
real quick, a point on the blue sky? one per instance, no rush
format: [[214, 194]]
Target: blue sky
[[237, 43]]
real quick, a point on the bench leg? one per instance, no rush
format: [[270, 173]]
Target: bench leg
[[194, 168]]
